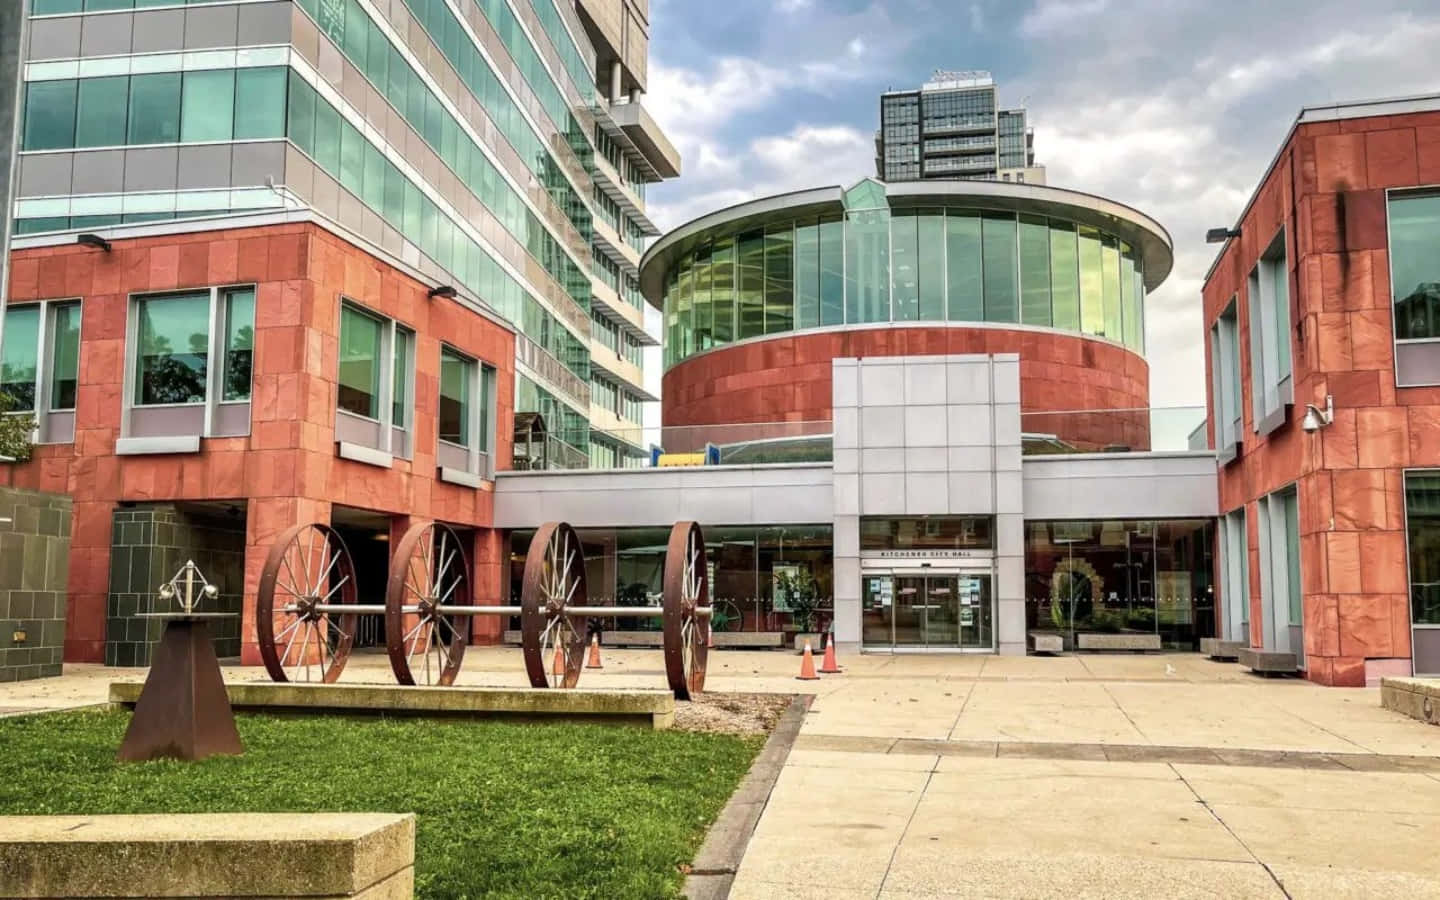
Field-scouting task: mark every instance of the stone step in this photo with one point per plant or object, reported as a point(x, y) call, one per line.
point(1218, 649)
point(1268, 662)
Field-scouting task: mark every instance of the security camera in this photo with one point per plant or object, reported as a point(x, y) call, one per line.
point(1316, 418)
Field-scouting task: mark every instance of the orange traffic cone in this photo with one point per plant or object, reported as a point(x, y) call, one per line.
point(558, 667)
point(807, 666)
point(829, 666)
point(594, 661)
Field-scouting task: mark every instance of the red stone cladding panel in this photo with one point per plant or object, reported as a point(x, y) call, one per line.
point(286, 470)
point(787, 379)
point(1328, 191)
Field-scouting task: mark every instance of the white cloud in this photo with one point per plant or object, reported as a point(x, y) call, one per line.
point(1054, 16)
point(977, 18)
point(792, 6)
point(856, 47)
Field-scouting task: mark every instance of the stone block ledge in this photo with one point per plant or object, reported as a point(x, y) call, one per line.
point(1418, 698)
point(369, 855)
point(654, 708)
point(1122, 641)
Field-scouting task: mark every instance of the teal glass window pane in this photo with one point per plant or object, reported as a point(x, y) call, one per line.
point(239, 313)
point(429, 237)
point(487, 412)
point(302, 114)
point(1140, 308)
point(412, 216)
point(722, 291)
point(1064, 276)
point(359, 390)
point(701, 316)
point(65, 356)
point(456, 373)
point(102, 105)
point(1414, 265)
point(377, 55)
point(931, 264)
point(1422, 518)
point(174, 349)
point(108, 5)
point(259, 103)
point(904, 265)
point(1279, 271)
point(963, 268)
point(400, 379)
point(1092, 291)
point(394, 201)
point(1110, 285)
point(684, 305)
point(54, 7)
point(807, 275)
point(207, 111)
point(1129, 314)
point(327, 137)
point(779, 279)
point(1034, 271)
point(832, 272)
point(155, 108)
point(352, 158)
point(44, 223)
point(1002, 291)
point(374, 177)
point(49, 115)
point(356, 35)
point(1292, 555)
point(750, 313)
point(867, 263)
point(19, 356)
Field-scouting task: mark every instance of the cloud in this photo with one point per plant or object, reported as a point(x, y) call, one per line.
point(1054, 16)
point(793, 6)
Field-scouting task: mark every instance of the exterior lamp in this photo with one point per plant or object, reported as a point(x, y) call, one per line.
point(1221, 235)
point(93, 240)
point(443, 290)
point(1316, 418)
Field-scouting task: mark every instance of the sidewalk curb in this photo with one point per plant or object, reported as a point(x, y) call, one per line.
point(719, 856)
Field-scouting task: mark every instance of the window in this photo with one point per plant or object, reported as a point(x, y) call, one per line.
point(207, 107)
point(1034, 271)
point(155, 108)
point(400, 379)
point(239, 342)
point(1422, 522)
point(174, 346)
point(102, 108)
point(21, 356)
point(49, 115)
point(359, 363)
point(1268, 297)
point(1235, 589)
point(260, 103)
point(1225, 383)
point(1415, 286)
point(1280, 573)
point(1002, 294)
point(65, 355)
point(456, 375)
point(962, 257)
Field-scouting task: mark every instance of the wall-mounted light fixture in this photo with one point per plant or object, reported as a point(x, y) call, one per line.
point(1316, 418)
point(443, 290)
point(1221, 235)
point(93, 240)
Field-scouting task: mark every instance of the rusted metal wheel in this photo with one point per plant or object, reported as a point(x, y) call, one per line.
point(553, 641)
point(301, 636)
point(687, 589)
point(429, 577)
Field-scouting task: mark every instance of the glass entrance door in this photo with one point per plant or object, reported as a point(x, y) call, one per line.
point(930, 610)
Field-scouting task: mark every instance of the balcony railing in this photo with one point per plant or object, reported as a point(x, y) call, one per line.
point(745, 443)
point(1113, 430)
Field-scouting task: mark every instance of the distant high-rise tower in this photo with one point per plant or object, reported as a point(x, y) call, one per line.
point(953, 128)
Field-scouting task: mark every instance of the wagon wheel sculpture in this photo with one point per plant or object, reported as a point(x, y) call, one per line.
point(308, 574)
point(551, 635)
point(428, 605)
point(685, 619)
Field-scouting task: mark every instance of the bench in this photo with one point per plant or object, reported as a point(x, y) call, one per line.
point(1045, 642)
point(1418, 698)
point(369, 855)
point(652, 708)
point(1103, 641)
point(1218, 649)
point(1269, 662)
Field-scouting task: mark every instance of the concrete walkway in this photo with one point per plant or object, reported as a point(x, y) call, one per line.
point(1104, 776)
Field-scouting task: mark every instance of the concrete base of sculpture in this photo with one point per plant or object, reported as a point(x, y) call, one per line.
point(1418, 698)
point(369, 855)
point(649, 707)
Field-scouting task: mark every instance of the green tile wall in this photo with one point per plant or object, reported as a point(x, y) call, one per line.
point(148, 545)
point(34, 569)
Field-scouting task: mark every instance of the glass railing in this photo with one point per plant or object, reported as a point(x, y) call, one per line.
point(1113, 430)
point(737, 444)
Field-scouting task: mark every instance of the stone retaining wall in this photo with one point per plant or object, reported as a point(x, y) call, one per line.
point(34, 567)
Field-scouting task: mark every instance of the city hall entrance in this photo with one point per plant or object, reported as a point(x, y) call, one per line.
point(927, 584)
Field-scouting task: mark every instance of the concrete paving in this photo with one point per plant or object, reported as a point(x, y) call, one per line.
point(1085, 776)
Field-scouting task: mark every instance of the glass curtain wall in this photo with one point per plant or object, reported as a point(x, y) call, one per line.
point(920, 264)
point(1121, 576)
point(771, 578)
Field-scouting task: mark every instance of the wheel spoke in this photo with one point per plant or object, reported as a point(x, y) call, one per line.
point(337, 587)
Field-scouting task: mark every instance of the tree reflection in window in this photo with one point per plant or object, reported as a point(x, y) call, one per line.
point(174, 349)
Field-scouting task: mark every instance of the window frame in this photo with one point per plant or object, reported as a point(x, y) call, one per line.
point(1225, 382)
point(1278, 596)
point(483, 380)
point(216, 358)
point(49, 421)
point(1409, 584)
point(1270, 324)
point(382, 450)
point(1234, 527)
point(1392, 194)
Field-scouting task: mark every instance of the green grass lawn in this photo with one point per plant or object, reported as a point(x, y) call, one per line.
point(521, 810)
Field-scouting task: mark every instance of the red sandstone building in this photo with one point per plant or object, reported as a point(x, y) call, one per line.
point(199, 390)
point(1327, 295)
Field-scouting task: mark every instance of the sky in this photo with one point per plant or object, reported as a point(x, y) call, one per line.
point(1174, 107)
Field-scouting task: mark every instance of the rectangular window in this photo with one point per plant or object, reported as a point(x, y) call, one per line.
point(931, 265)
point(964, 269)
point(49, 115)
point(327, 139)
point(207, 108)
point(456, 375)
point(807, 275)
point(1129, 298)
point(20, 355)
point(1110, 285)
point(1002, 290)
point(832, 272)
point(1422, 522)
point(103, 103)
point(154, 108)
point(359, 391)
point(1034, 271)
point(400, 379)
point(701, 316)
point(352, 166)
point(64, 355)
point(1414, 228)
point(1268, 298)
point(1235, 591)
point(1280, 576)
point(260, 103)
point(904, 265)
point(779, 285)
point(172, 364)
point(1064, 276)
point(751, 273)
point(1092, 290)
point(867, 266)
point(239, 311)
point(1225, 383)
point(722, 291)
